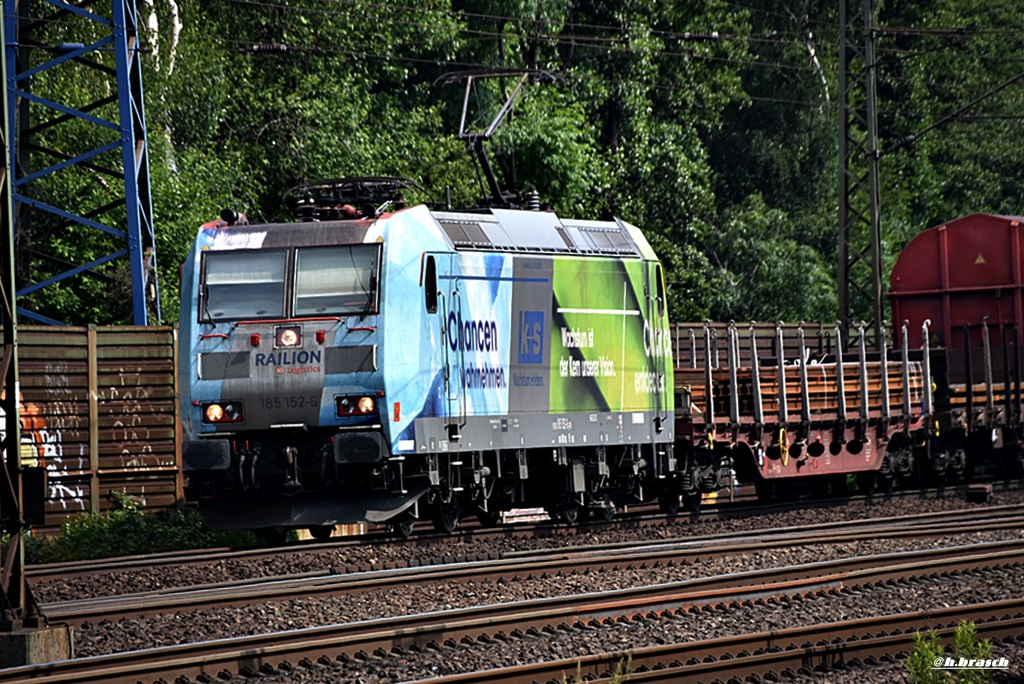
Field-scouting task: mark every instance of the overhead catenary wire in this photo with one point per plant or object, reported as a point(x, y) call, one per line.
point(908, 140)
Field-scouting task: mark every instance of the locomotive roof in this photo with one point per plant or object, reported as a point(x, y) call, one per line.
point(505, 230)
point(535, 231)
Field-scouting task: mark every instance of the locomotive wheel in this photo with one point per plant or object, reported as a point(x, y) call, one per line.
point(604, 511)
point(403, 527)
point(568, 513)
point(446, 516)
point(321, 532)
point(692, 501)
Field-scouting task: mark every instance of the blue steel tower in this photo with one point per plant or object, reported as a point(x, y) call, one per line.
point(99, 145)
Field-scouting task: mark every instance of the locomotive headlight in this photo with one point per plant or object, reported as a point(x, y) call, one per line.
point(214, 413)
point(290, 336)
point(222, 413)
point(232, 412)
point(355, 406)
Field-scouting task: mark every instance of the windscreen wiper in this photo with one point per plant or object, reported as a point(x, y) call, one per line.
point(373, 288)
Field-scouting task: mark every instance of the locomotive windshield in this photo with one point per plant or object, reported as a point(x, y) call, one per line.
point(336, 280)
point(245, 284)
point(253, 284)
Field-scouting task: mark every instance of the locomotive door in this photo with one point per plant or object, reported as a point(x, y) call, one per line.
point(454, 402)
point(657, 341)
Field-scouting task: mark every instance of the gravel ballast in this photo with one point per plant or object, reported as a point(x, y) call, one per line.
point(146, 632)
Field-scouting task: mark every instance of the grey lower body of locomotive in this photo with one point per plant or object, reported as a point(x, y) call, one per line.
point(372, 485)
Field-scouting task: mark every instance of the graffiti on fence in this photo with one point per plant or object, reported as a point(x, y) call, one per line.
point(42, 446)
point(97, 411)
point(131, 437)
point(27, 452)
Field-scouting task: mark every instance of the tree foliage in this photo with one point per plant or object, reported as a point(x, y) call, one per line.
point(710, 124)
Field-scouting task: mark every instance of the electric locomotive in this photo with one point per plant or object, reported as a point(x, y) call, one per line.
point(377, 362)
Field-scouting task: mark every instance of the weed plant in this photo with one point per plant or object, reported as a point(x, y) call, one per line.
point(129, 530)
point(928, 651)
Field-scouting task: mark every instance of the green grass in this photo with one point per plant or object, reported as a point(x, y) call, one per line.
point(620, 675)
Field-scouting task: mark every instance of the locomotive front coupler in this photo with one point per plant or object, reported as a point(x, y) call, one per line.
point(248, 458)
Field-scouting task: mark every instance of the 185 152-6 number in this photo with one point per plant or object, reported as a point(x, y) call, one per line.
point(290, 401)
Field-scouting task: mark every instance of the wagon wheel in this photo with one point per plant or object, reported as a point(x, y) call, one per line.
point(888, 484)
point(491, 518)
point(885, 478)
point(692, 501)
point(446, 515)
point(867, 483)
point(570, 514)
point(567, 512)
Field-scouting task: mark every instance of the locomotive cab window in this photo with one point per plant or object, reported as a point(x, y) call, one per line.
point(243, 284)
point(430, 285)
point(336, 280)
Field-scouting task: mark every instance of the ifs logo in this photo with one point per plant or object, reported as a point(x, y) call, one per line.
point(531, 337)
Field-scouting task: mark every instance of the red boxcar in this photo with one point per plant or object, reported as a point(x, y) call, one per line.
point(966, 273)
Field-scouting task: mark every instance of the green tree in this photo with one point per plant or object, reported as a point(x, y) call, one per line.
point(710, 126)
point(935, 58)
point(770, 274)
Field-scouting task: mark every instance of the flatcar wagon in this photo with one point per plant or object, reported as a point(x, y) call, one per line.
point(940, 404)
point(778, 404)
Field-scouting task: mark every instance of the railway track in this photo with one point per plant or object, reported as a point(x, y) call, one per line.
point(512, 566)
point(767, 656)
point(480, 626)
point(639, 518)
